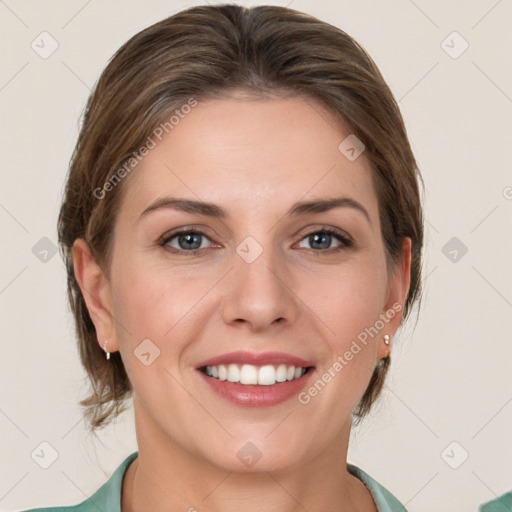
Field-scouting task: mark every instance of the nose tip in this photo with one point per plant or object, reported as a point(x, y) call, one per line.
point(258, 296)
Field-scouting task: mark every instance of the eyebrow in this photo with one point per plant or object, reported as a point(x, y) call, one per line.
point(215, 211)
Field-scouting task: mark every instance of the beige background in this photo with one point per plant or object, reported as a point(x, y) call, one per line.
point(451, 374)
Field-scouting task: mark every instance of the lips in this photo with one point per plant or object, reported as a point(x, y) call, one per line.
point(256, 359)
point(256, 379)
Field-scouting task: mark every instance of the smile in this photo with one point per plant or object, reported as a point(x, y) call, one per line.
point(248, 374)
point(253, 379)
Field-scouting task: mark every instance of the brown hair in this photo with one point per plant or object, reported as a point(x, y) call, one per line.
point(203, 52)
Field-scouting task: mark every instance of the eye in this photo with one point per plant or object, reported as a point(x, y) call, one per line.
point(321, 240)
point(186, 240)
point(191, 241)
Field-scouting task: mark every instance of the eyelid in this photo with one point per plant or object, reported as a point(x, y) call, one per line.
point(184, 229)
point(309, 230)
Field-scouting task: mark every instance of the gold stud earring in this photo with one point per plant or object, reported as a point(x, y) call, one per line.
point(105, 349)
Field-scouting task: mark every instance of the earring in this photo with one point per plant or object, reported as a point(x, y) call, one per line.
point(105, 349)
point(386, 342)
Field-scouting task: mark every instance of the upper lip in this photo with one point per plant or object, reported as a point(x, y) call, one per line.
point(256, 359)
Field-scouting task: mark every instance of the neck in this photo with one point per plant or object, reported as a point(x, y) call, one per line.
point(165, 476)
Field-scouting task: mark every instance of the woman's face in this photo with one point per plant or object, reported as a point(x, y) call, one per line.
point(258, 285)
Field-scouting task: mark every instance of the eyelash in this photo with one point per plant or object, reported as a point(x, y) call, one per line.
point(345, 241)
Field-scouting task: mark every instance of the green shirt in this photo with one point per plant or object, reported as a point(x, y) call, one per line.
point(108, 497)
point(501, 504)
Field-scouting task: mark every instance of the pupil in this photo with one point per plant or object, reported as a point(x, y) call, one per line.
point(316, 238)
point(189, 242)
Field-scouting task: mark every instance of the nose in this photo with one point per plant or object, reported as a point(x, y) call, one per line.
point(259, 294)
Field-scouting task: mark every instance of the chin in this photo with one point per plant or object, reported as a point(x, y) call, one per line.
point(257, 455)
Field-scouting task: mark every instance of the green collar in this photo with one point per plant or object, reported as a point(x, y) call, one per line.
point(501, 504)
point(108, 496)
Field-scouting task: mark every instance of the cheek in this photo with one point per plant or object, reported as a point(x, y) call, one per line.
point(159, 303)
point(349, 302)
point(349, 299)
point(350, 308)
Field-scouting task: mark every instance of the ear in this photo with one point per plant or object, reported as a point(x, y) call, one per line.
point(398, 288)
point(96, 292)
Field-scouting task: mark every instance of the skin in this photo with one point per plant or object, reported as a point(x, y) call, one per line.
point(255, 159)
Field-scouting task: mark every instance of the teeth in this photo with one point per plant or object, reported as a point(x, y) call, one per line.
point(233, 373)
point(249, 374)
point(267, 375)
point(281, 373)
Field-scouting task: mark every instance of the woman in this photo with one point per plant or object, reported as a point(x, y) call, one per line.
point(242, 229)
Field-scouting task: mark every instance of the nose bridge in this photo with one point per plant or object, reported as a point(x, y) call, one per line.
point(258, 293)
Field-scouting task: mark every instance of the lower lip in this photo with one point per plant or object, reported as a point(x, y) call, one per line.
point(257, 396)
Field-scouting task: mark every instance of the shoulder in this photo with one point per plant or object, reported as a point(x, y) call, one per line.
point(501, 504)
point(107, 497)
point(384, 500)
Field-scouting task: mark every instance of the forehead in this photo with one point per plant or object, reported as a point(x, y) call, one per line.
point(251, 154)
